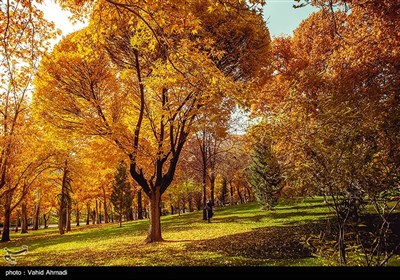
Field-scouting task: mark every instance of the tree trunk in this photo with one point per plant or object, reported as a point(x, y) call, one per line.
point(6, 225)
point(88, 213)
point(36, 216)
point(139, 205)
point(97, 213)
point(93, 215)
point(24, 218)
point(212, 187)
point(204, 199)
point(120, 213)
point(62, 217)
point(45, 220)
point(239, 194)
point(69, 213)
point(231, 194)
point(105, 207)
point(154, 234)
point(342, 248)
point(77, 215)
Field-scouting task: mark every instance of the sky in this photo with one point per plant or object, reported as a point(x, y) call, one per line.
point(280, 16)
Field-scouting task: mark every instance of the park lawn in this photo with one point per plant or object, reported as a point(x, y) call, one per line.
point(237, 235)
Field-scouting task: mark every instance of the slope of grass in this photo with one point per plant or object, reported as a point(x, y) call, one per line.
point(238, 235)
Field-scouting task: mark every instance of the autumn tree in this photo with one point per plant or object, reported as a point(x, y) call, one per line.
point(24, 36)
point(152, 68)
point(328, 105)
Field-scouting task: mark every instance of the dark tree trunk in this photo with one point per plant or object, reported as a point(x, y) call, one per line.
point(97, 213)
point(130, 214)
point(36, 216)
point(140, 205)
point(239, 194)
point(204, 199)
point(45, 219)
point(62, 214)
point(212, 187)
point(172, 209)
point(231, 194)
point(77, 215)
point(5, 236)
point(154, 234)
point(120, 213)
point(69, 213)
point(93, 215)
point(105, 207)
point(24, 218)
point(87, 214)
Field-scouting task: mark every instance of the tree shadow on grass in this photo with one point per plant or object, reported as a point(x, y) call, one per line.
point(298, 207)
point(283, 242)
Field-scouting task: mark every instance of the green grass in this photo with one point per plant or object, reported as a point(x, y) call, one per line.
point(238, 235)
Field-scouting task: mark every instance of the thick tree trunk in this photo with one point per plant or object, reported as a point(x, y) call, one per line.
point(154, 234)
point(140, 205)
point(88, 214)
point(5, 236)
point(24, 218)
point(36, 216)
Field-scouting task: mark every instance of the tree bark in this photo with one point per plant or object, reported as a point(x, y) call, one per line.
point(88, 213)
point(231, 194)
point(154, 234)
point(5, 236)
point(239, 194)
point(45, 220)
point(24, 218)
point(69, 213)
point(97, 213)
point(36, 216)
point(140, 205)
point(105, 207)
point(212, 187)
point(77, 215)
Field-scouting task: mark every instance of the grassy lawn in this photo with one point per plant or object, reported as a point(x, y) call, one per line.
point(238, 235)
